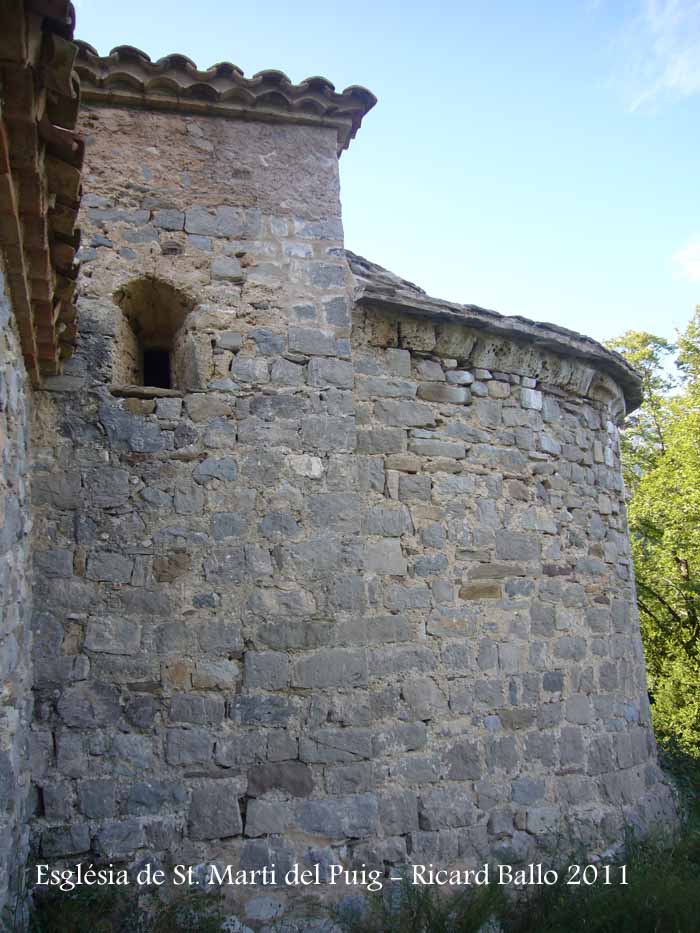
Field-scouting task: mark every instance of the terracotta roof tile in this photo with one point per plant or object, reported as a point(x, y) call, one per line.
point(40, 175)
point(128, 77)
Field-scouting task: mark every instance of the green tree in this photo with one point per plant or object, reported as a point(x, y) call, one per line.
point(643, 440)
point(661, 457)
point(688, 361)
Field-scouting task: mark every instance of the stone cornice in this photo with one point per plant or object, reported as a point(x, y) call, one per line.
point(127, 77)
point(379, 287)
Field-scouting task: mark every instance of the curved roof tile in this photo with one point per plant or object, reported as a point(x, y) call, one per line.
point(128, 77)
point(41, 158)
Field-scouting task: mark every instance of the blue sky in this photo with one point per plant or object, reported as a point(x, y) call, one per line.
point(536, 158)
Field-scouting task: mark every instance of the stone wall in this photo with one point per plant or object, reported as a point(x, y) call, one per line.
point(527, 670)
point(347, 592)
point(15, 607)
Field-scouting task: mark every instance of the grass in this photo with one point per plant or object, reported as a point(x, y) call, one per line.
point(106, 911)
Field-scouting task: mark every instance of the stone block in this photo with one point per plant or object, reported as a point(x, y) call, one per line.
point(340, 817)
point(200, 221)
point(281, 746)
point(285, 372)
point(268, 670)
point(601, 756)
point(430, 564)
point(384, 556)
point(214, 811)
point(404, 413)
point(202, 243)
point(463, 761)
point(543, 820)
point(226, 269)
point(381, 441)
point(341, 511)
point(329, 228)
point(226, 565)
point(399, 598)
point(113, 636)
point(169, 219)
point(239, 750)
point(200, 709)
point(97, 799)
point(429, 447)
point(330, 372)
point(444, 394)
point(381, 387)
point(578, 709)
point(290, 777)
point(337, 312)
point(348, 593)
point(259, 710)
point(109, 567)
point(326, 274)
point(61, 490)
point(169, 409)
point(188, 746)
point(216, 674)
point(120, 838)
point(571, 749)
point(228, 525)
point(314, 342)
point(58, 842)
point(415, 488)
point(527, 791)
point(483, 589)
point(502, 753)
point(130, 432)
point(459, 377)
point(402, 659)
point(417, 335)
point(445, 807)
point(266, 817)
point(56, 797)
point(89, 706)
point(350, 779)
point(322, 433)
point(329, 746)
point(510, 546)
point(335, 667)
point(398, 812)
point(531, 399)
point(454, 341)
point(58, 562)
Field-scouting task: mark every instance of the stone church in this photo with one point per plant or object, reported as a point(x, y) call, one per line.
point(298, 564)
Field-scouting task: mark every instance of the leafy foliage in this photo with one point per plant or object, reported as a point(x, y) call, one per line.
point(661, 459)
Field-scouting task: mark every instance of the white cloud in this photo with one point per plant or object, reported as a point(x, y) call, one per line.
point(687, 260)
point(658, 51)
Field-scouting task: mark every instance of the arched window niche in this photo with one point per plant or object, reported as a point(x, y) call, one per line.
point(151, 342)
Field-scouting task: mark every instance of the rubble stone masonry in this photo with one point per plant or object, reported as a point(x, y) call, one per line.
point(15, 602)
point(356, 589)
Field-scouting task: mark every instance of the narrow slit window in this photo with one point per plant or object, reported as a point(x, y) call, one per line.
point(156, 368)
point(150, 351)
